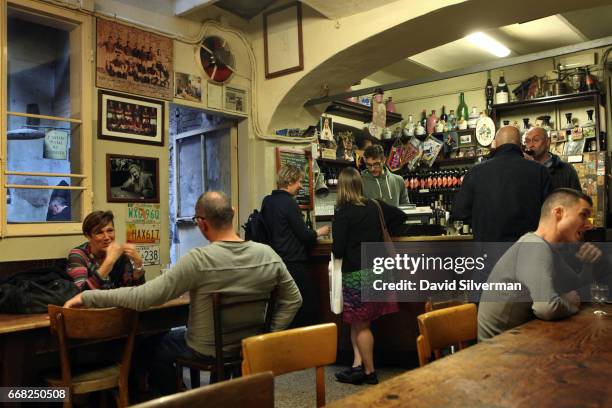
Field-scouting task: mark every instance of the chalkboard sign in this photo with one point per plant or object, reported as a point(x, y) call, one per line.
point(302, 160)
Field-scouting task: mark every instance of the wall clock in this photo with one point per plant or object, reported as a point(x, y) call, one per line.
point(216, 59)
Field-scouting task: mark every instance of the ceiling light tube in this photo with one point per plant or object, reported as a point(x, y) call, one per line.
point(488, 44)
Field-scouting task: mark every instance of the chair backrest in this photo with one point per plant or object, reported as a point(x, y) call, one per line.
point(224, 302)
point(92, 323)
point(447, 300)
point(292, 350)
point(67, 323)
point(454, 325)
point(252, 391)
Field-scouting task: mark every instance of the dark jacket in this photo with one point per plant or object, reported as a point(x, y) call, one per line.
point(289, 235)
point(501, 198)
point(353, 225)
point(562, 174)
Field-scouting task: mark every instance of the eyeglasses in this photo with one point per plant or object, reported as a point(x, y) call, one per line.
point(376, 165)
point(195, 218)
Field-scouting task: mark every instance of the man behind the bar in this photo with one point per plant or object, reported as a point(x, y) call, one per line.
point(379, 182)
point(501, 197)
point(562, 174)
point(535, 263)
point(228, 265)
point(292, 239)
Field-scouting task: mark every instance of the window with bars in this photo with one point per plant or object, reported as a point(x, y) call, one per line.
point(46, 119)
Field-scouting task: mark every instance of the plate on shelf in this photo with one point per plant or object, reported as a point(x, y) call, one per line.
point(485, 131)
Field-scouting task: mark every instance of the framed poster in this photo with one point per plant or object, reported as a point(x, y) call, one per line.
point(126, 118)
point(214, 95)
point(132, 60)
point(234, 99)
point(188, 87)
point(132, 179)
point(283, 47)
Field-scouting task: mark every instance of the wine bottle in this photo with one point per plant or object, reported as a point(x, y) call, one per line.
point(489, 93)
point(443, 115)
point(502, 95)
point(424, 118)
point(462, 109)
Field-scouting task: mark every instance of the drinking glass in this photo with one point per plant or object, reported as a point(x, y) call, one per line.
point(599, 294)
point(458, 225)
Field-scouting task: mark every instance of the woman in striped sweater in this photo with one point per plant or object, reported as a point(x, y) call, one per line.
point(102, 263)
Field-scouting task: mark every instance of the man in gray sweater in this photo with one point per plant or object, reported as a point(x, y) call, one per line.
point(379, 182)
point(229, 265)
point(547, 281)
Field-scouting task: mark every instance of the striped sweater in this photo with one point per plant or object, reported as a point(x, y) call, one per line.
point(83, 269)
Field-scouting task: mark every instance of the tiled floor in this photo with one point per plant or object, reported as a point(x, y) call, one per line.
point(297, 390)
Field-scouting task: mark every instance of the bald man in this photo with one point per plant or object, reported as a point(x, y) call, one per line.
point(562, 174)
point(501, 197)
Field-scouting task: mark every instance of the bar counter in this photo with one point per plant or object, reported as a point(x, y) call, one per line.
point(394, 335)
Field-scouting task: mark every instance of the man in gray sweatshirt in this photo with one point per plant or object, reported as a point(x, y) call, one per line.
point(535, 262)
point(379, 182)
point(229, 265)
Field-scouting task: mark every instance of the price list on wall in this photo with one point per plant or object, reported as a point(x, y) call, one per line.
point(143, 230)
point(300, 159)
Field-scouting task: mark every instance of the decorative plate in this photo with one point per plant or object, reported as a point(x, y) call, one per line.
point(485, 131)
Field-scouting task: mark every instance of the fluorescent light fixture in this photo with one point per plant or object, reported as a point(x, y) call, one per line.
point(488, 44)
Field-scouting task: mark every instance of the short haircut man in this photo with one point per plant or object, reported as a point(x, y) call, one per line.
point(501, 197)
point(379, 182)
point(537, 264)
point(228, 265)
point(562, 174)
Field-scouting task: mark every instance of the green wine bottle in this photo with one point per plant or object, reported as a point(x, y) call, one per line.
point(462, 109)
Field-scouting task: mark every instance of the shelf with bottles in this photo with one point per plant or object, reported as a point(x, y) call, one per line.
point(577, 125)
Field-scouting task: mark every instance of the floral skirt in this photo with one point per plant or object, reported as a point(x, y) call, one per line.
point(354, 309)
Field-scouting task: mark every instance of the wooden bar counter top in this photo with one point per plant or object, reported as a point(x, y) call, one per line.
point(565, 363)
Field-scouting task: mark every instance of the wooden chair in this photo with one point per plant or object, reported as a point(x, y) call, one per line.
point(292, 350)
point(454, 325)
point(89, 324)
point(253, 391)
point(220, 367)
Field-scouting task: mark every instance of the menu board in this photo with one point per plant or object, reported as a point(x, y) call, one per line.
point(302, 160)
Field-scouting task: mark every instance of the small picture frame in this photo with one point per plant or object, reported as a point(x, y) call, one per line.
point(127, 118)
point(132, 179)
point(234, 99)
point(188, 87)
point(554, 136)
point(326, 128)
point(466, 140)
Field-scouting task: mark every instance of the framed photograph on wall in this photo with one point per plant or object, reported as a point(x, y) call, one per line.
point(234, 99)
point(188, 87)
point(132, 60)
point(127, 118)
point(132, 179)
point(283, 49)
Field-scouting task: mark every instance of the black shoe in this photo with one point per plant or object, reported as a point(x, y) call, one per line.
point(357, 377)
point(371, 378)
point(347, 372)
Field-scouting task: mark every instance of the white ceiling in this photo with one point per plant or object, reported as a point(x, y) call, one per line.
point(528, 37)
point(538, 35)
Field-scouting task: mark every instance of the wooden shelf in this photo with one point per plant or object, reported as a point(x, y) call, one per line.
point(324, 217)
point(358, 111)
point(547, 100)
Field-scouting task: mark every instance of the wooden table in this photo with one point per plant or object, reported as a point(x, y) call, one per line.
point(24, 336)
point(567, 363)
